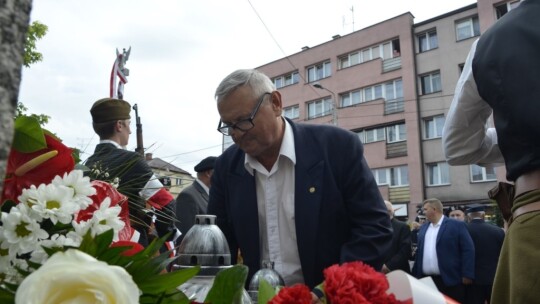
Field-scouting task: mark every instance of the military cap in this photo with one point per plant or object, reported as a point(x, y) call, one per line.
point(206, 164)
point(476, 208)
point(110, 109)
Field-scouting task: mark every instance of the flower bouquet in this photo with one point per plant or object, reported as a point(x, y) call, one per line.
point(66, 239)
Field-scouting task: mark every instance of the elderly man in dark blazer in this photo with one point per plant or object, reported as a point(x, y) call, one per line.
point(445, 252)
point(300, 195)
point(193, 200)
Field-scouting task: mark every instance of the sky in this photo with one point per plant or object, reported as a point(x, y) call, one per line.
point(180, 51)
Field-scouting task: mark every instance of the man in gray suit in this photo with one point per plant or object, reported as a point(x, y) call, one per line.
point(194, 199)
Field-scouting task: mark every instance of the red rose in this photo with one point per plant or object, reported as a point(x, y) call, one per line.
point(104, 190)
point(356, 282)
point(26, 169)
point(296, 294)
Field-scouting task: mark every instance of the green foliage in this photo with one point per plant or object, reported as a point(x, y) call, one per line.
point(266, 292)
point(228, 285)
point(36, 31)
point(29, 136)
point(21, 111)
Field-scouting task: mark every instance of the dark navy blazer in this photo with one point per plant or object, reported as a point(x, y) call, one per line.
point(339, 213)
point(455, 252)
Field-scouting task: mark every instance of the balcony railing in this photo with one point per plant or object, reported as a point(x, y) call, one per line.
point(394, 106)
point(391, 64)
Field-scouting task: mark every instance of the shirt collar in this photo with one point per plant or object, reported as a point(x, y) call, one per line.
point(112, 142)
point(203, 186)
point(439, 223)
point(286, 150)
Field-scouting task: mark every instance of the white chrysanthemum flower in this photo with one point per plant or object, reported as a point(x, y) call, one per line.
point(80, 228)
point(5, 255)
point(105, 218)
point(80, 184)
point(21, 231)
point(56, 241)
point(56, 203)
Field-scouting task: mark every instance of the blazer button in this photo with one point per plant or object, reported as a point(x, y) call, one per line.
point(312, 190)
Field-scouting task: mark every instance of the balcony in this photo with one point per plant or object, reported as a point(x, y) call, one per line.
point(391, 64)
point(394, 106)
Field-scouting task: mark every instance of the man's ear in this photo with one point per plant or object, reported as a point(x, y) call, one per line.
point(118, 125)
point(277, 106)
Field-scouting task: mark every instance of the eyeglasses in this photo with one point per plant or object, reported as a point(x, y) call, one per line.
point(243, 125)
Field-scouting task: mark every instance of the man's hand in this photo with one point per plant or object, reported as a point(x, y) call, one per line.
point(315, 299)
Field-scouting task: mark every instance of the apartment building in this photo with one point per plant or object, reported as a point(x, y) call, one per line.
point(392, 84)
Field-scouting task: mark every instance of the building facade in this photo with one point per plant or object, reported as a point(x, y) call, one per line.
point(173, 178)
point(392, 83)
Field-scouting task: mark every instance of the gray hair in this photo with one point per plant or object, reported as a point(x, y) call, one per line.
point(435, 203)
point(257, 81)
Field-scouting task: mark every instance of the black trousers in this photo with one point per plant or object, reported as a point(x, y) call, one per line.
point(478, 294)
point(456, 292)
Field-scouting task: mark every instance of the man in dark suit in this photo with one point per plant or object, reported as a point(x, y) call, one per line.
point(194, 199)
point(299, 195)
point(111, 121)
point(400, 251)
point(488, 240)
point(445, 252)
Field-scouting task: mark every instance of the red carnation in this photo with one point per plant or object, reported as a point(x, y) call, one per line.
point(296, 294)
point(356, 282)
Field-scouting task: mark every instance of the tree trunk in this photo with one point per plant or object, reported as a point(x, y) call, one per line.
point(14, 20)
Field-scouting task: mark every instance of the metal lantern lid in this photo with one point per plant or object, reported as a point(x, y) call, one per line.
point(267, 273)
point(205, 245)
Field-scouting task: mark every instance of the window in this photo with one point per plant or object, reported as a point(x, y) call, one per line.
point(383, 50)
point(438, 174)
point(396, 133)
point(286, 80)
point(291, 112)
point(467, 28)
point(427, 41)
point(433, 127)
point(502, 9)
point(351, 98)
point(319, 71)
point(319, 108)
point(482, 174)
point(394, 177)
point(393, 90)
point(431, 83)
point(374, 135)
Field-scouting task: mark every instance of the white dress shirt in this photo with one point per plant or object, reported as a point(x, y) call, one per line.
point(430, 262)
point(275, 202)
point(466, 137)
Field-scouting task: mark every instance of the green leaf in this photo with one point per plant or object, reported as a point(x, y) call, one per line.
point(266, 291)
point(29, 136)
point(228, 285)
point(6, 297)
point(171, 280)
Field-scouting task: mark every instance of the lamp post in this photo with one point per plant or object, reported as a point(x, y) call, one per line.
point(334, 103)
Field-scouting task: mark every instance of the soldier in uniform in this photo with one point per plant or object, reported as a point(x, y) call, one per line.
point(111, 121)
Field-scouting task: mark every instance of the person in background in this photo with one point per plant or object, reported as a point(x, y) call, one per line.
point(456, 214)
point(400, 251)
point(488, 240)
point(502, 76)
point(193, 200)
point(445, 252)
point(299, 195)
point(111, 121)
